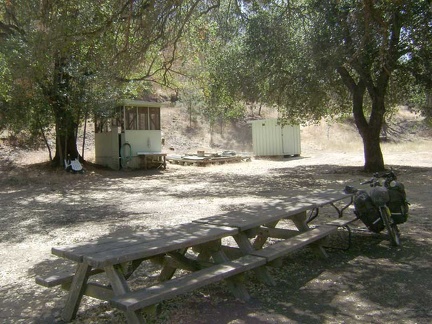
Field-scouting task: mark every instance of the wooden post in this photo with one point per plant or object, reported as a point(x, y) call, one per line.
point(236, 286)
point(77, 289)
point(301, 224)
point(120, 287)
point(246, 247)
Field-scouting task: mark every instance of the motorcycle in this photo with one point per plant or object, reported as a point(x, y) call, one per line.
point(385, 206)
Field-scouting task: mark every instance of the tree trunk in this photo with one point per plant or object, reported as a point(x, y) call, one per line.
point(374, 160)
point(66, 147)
point(428, 104)
point(369, 130)
point(66, 126)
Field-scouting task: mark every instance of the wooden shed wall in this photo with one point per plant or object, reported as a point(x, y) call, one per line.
point(270, 139)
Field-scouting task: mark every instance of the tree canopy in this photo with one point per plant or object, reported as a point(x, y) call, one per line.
point(63, 60)
point(327, 58)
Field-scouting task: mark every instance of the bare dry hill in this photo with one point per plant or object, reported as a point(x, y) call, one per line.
point(183, 134)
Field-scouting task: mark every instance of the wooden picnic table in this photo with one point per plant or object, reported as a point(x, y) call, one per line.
point(292, 207)
point(118, 257)
point(258, 223)
point(113, 255)
point(153, 159)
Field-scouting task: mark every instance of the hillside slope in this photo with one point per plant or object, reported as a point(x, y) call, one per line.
point(183, 136)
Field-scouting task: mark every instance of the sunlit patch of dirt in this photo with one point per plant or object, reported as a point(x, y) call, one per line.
point(43, 207)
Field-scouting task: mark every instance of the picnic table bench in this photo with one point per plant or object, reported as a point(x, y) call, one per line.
point(118, 257)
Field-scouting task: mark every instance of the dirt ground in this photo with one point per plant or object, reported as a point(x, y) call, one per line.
point(372, 282)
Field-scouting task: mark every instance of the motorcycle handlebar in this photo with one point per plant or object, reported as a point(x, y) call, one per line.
point(372, 180)
point(388, 176)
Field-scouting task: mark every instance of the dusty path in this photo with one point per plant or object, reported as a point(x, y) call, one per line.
point(372, 282)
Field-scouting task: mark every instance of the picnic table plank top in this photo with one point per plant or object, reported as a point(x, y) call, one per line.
point(254, 215)
point(152, 153)
point(114, 250)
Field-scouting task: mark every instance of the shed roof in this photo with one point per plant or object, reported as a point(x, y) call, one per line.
point(139, 103)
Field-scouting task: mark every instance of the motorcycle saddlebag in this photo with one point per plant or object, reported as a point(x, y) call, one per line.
point(398, 204)
point(367, 212)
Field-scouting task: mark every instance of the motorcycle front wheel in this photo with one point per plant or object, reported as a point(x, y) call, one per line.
point(391, 227)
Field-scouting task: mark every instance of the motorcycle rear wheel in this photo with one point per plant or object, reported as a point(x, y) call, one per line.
point(391, 227)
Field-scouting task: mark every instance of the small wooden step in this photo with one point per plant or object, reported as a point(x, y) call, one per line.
point(54, 280)
point(148, 296)
point(340, 222)
point(60, 278)
point(292, 244)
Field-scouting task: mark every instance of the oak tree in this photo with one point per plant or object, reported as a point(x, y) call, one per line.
point(68, 58)
point(315, 58)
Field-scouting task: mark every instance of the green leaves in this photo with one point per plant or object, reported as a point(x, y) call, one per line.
point(73, 55)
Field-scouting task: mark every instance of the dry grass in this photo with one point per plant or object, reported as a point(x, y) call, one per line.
point(421, 145)
point(334, 137)
point(42, 208)
point(407, 133)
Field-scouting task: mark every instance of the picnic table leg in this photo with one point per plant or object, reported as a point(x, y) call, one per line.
point(246, 247)
point(128, 268)
point(168, 271)
point(236, 286)
point(261, 238)
point(301, 224)
point(299, 221)
point(120, 287)
point(214, 249)
point(341, 210)
point(76, 292)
